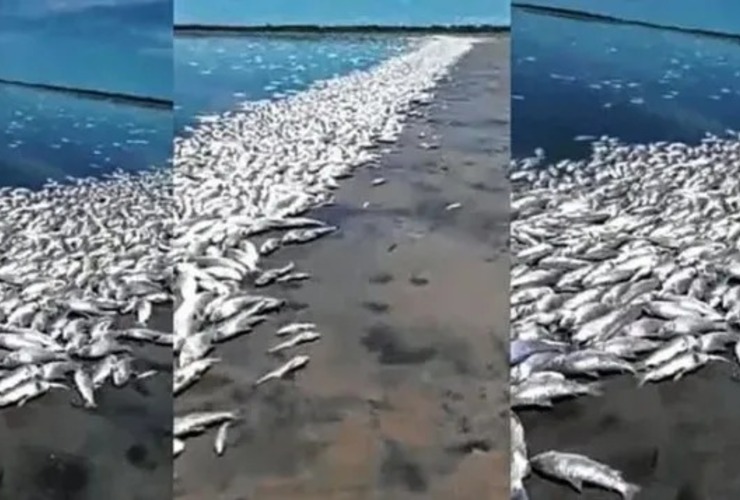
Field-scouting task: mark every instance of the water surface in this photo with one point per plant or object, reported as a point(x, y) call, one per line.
point(574, 79)
point(215, 74)
point(53, 135)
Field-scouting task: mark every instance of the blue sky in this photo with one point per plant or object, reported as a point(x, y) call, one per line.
point(389, 12)
point(716, 15)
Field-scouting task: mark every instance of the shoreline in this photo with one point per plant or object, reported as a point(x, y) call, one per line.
point(100, 95)
point(580, 15)
point(672, 438)
point(397, 400)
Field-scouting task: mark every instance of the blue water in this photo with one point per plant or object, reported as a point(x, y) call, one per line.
point(713, 15)
point(343, 12)
point(50, 135)
point(110, 45)
point(121, 46)
point(572, 78)
point(214, 74)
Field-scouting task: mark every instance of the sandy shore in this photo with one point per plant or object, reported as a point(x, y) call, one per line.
point(679, 441)
point(52, 449)
point(404, 397)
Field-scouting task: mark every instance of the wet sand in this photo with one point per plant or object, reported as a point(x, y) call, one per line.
point(53, 449)
point(405, 394)
point(679, 441)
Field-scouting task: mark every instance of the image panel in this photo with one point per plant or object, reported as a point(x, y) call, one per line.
point(625, 277)
point(341, 315)
point(85, 186)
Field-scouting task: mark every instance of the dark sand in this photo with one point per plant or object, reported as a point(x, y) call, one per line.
point(52, 449)
point(679, 441)
point(405, 395)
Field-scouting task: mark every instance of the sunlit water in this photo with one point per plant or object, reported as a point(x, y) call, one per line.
point(573, 80)
point(50, 135)
point(215, 74)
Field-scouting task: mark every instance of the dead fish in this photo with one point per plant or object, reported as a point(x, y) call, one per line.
point(219, 444)
point(300, 338)
point(295, 363)
point(577, 469)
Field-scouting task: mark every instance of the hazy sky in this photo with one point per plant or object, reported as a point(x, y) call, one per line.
point(390, 12)
point(716, 15)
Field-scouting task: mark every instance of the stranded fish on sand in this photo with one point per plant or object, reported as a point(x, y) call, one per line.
point(245, 183)
point(628, 262)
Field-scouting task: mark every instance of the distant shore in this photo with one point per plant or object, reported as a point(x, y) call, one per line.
point(135, 100)
point(589, 16)
point(205, 30)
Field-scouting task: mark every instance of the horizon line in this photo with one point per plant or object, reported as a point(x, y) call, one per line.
point(580, 15)
point(187, 29)
point(117, 97)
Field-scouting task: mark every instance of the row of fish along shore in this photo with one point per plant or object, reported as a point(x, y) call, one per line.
point(625, 305)
point(368, 371)
point(101, 279)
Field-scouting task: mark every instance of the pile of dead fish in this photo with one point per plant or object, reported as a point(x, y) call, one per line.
point(244, 182)
point(75, 260)
point(625, 262)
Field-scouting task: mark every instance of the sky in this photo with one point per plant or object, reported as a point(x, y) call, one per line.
point(713, 15)
point(122, 46)
point(342, 12)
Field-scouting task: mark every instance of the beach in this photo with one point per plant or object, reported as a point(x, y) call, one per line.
point(53, 449)
point(677, 440)
point(405, 394)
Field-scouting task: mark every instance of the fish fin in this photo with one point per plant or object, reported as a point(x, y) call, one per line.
point(22, 402)
point(630, 491)
point(577, 484)
point(641, 381)
point(678, 376)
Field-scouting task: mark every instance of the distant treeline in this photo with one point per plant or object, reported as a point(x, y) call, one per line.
point(149, 102)
point(588, 16)
point(199, 29)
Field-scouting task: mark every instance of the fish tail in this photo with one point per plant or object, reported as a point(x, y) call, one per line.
point(630, 491)
point(595, 389)
point(519, 494)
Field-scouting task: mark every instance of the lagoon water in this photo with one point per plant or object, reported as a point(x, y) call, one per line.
point(51, 135)
point(119, 47)
point(215, 74)
point(582, 78)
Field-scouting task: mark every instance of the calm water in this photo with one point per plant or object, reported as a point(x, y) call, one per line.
point(214, 74)
point(714, 15)
point(334, 12)
point(574, 78)
point(121, 46)
point(117, 47)
point(50, 135)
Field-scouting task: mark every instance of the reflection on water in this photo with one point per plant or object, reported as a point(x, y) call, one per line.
point(573, 80)
point(213, 74)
